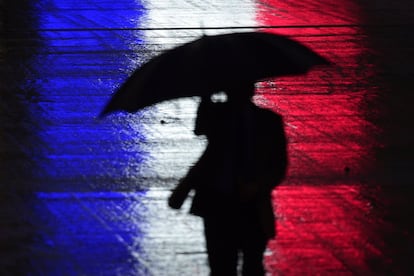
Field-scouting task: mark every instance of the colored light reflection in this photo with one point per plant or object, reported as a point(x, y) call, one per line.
point(321, 230)
point(325, 110)
point(321, 215)
point(90, 233)
point(86, 53)
point(86, 228)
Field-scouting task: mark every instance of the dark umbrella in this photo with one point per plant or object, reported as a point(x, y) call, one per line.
point(210, 64)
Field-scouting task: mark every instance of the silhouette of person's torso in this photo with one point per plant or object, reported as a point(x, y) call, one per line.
point(246, 146)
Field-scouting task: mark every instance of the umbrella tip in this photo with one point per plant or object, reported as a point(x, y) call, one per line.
point(105, 112)
point(202, 28)
point(102, 115)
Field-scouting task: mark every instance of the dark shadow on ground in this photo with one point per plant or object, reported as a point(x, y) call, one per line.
point(389, 26)
point(17, 140)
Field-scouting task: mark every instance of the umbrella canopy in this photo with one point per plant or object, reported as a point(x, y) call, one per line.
point(210, 64)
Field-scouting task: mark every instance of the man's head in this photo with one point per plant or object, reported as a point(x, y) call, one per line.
point(241, 91)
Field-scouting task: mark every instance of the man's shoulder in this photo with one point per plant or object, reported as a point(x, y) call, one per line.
point(269, 114)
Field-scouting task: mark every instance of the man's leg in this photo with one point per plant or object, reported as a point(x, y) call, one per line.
point(221, 242)
point(253, 245)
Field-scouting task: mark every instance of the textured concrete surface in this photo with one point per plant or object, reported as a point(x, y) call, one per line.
point(84, 196)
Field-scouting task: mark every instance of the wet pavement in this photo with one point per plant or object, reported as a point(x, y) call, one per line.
point(87, 196)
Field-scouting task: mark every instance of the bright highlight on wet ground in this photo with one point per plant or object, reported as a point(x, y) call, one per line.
point(87, 196)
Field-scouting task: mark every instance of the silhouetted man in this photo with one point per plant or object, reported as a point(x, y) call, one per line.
point(244, 160)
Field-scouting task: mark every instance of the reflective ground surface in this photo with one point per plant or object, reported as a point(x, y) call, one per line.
point(87, 196)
